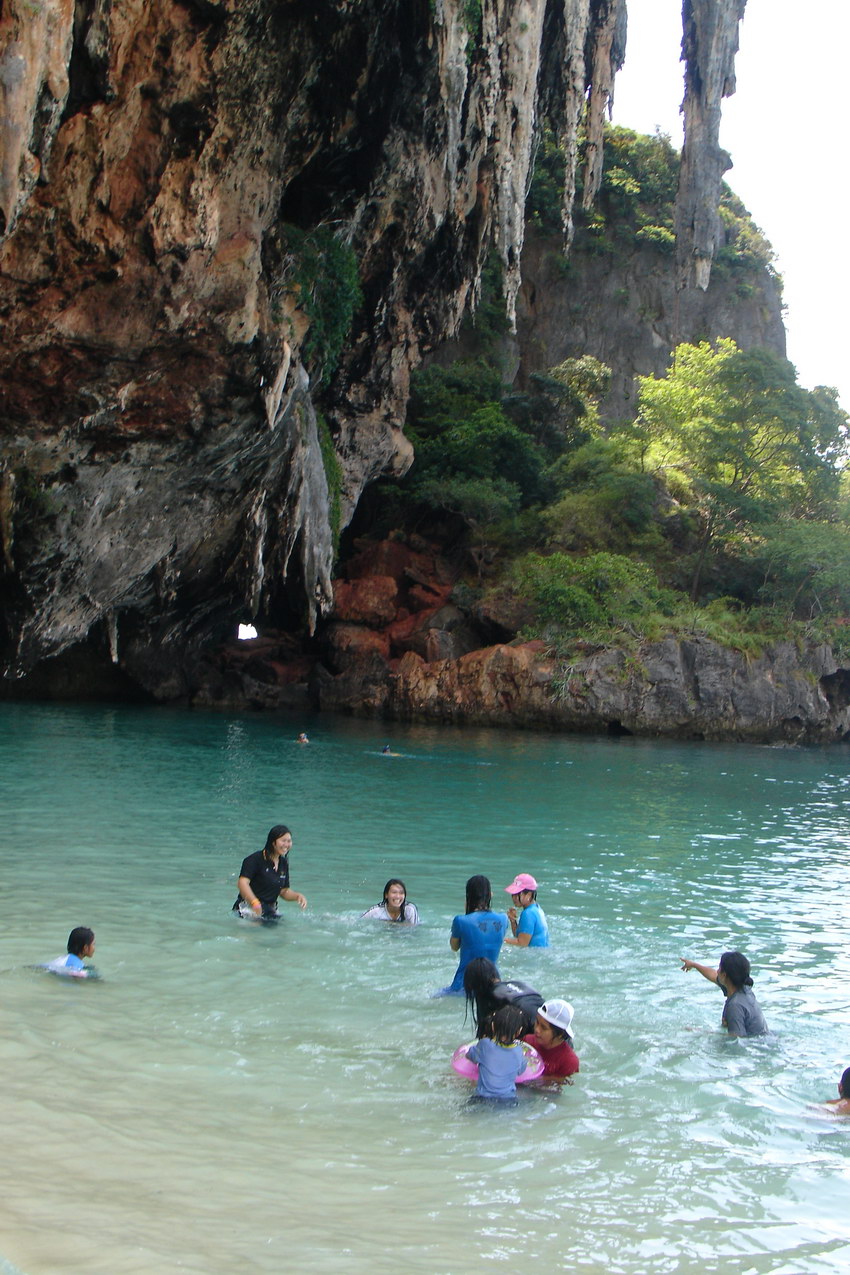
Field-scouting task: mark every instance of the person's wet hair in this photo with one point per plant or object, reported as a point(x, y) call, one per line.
point(78, 939)
point(395, 881)
point(844, 1083)
point(479, 895)
point(506, 1024)
point(478, 979)
point(279, 830)
point(736, 967)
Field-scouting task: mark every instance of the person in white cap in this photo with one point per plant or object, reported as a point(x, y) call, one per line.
point(529, 926)
point(552, 1040)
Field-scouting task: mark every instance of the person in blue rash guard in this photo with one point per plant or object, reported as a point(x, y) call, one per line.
point(80, 949)
point(529, 928)
point(476, 932)
point(499, 1056)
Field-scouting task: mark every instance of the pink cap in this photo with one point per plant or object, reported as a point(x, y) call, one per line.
point(524, 881)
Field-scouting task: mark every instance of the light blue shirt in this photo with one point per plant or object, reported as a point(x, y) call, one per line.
point(69, 964)
point(532, 920)
point(498, 1067)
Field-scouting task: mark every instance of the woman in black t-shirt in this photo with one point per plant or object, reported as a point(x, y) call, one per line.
point(486, 992)
point(264, 878)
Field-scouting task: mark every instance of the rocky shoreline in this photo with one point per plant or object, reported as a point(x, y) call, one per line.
point(399, 647)
point(405, 641)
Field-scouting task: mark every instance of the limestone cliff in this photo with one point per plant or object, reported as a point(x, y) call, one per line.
point(161, 371)
point(633, 315)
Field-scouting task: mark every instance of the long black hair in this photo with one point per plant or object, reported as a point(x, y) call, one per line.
point(506, 1025)
point(479, 895)
point(279, 830)
point(479, 978)
point(403, 908)
point(736, 967)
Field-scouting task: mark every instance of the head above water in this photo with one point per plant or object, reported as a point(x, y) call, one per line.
point(523, 882)
point(395, 896)
point(479, 976)
point(479, 894)
point(506, 1024)
point(79, 939)
point(736, 967)
point(279, 830)
point(559, 1013)
point(844, 1083)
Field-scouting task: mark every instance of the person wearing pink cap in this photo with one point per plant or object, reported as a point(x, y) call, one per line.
point(529, 928)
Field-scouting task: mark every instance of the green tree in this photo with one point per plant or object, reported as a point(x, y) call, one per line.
point(482, 503)
point(321, 272)
point(750, 442)
point(806, 567)
point(601, 589)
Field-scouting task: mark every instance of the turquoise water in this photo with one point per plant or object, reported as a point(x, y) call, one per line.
point(238, 1097)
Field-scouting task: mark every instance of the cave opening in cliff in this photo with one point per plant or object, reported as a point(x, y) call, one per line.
point(836, 688)
point(617, 730)
point(245, 632)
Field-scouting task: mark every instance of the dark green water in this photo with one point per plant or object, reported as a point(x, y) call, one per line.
point(233, 1097)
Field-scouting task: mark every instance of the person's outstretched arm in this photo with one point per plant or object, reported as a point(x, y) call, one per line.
point(293, 896)
point(705, 970)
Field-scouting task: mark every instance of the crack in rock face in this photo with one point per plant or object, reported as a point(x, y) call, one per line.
point(186, 403)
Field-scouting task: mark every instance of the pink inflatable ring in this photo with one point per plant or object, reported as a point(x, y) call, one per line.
point(469, 1070)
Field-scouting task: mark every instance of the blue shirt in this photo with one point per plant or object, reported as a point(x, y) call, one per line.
point(480, 934)
point(498, 1067)
point(532, 920)
point(69, 964)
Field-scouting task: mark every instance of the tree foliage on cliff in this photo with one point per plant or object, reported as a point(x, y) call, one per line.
point(636, 202)
point(321, 272)
point(718, 510)
point(746, 445)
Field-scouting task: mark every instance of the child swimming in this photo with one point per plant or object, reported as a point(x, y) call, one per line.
point(839, 1106)
point(80, 949)
point(499, 1055)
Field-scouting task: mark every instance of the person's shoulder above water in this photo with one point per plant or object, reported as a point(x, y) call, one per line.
point(81, 944)
point(393, 906)
point(839, 1106)
point(742, 1015)
point(528, 926)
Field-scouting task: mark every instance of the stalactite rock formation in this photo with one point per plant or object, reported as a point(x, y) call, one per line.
point(709, 45)
point(167, 395)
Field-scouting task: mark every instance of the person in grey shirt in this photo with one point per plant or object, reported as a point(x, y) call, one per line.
point(742, 1014)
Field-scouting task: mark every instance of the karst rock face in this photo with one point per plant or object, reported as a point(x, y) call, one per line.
point(162, 403)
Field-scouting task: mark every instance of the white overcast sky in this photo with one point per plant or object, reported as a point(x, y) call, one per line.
point(784, 129)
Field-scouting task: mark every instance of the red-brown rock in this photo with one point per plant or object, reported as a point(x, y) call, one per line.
point(370, 600)
point(348, 645)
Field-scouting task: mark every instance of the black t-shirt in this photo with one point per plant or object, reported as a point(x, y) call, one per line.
point(523, 995)
point(265, 880)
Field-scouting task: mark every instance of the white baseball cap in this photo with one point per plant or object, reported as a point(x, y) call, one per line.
point(558, 1013)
